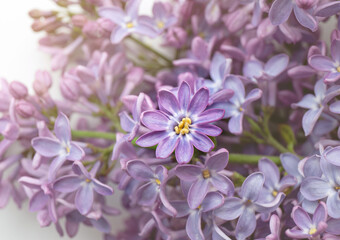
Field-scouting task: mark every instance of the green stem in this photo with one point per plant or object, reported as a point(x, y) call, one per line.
point(139, 42)
point(92, 134)
point(250, 159)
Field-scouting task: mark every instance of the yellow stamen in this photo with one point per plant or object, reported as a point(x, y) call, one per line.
point(160, 24)
point(337, 188)
point(241, 109)
point(274, 193)
point(199, 207)
point(201, 34)
point(312, 230)
point(183, 126)
point(206, 173)
point(88, 180)
point(68, 150)
point(129, 25)
point(338, 69)
point(158, 181)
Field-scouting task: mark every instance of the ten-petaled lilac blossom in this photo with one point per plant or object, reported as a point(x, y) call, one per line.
point(60, 148)
point(207, 176)
point(127, 22)
point(84, 184)
point(331, 67)
point(246, 206)
point(307, 227)
point(181, 123)
point(236, 107)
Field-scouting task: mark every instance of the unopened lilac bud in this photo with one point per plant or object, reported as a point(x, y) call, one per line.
point(96, 2)
point(106, 24)
point(335, 35)
point(306, 4)
point(176, 37)
point(18, 90)
point(35, 13)
point(42, 82)
point(69, 89)
point(79, 20)
point(92, 29)
point(11, 131)
point(25, 109)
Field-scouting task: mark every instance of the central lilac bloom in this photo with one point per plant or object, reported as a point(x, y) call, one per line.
point(181, 123)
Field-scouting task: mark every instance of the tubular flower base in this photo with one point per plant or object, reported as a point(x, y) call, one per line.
point(213, 119)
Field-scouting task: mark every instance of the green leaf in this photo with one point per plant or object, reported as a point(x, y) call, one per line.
point(287, 135)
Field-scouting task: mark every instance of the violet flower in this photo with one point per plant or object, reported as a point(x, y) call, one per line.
point(306, 227)
point(303, 10)
point(127, 22)
point(246, 206)
point(181, 123)
point(331, 67)
point(207, 176)
point(236, 107)
point(84, 184)
point(60, 148)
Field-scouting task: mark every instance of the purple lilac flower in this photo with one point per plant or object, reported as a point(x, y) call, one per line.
point(246, 206)
point(306, 227)
point(303, 10)
point(255, 69)
point(272, 183)
point(237, 106)
point(181, 123)
point(332, 155)
point(84, 184)
point(127, 22)
point(331, 67)
point(60, 148)
point(211, 201)
point(274, 226)
point(326, 187)
point(207, 176)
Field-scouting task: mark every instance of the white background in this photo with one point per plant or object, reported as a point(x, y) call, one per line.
point(19, 60)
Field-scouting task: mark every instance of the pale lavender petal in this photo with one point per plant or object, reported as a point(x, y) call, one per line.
point(223, 184)
point(335, 107)
point(235, 124)
point(126, 122)
point(208, 129)
point(55, 165)
point(269, 207)
point(297, 233)
point(320, 214)
point(67, 184)
point(38, 201)
point(290, 163)
point(199, 101)
point(84, 199)
point(219, 67)
point(199, 48)
point(253, 69)
point(286, 182)
point(321, 63)
point(276, 65)
point(218, 161)
point(335, 50)
point(168, 102)
point(147, 194)
point(188, 172)
point(197, 192)
point(333, 205)
point(181, 207)
point(132, 8)
point(76, 153)
point(151, 139)
point(271, 173)
point(309, 119)
point(301, 218)
point(101, 225)
point(167, 146)
point(314, 188)
point(115, 14)
point(333, 226)
point(155, 120)
point(308, 101)
point(210, 115)
point(184, 151)
point(328, 9)
point(184, 93)
point(212, 201)
point(139, 170)
point(305, 18)
point(193, 226)
point(118, 34)
point(101, 188)
point(46, 147)
point(280, 11)
point(231, 209)
point(246, 224)
point(252, 186)
point(62, 128)
point(202, 142)
point(235, 84)
point(333, 156)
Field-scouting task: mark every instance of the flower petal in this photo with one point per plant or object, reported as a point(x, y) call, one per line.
point(193, 226)
point(199, 101)
point(202, 142)
point(271, 173)
point(102, 188)
point(46, 147)
point(246, 224)
point(276, 65)
point(184, 94)
point(280, 11)
point(55, 165)
point(218, 161)
point(301, 218)
point(147, 194)
point(197, 192)
point(38, 201)
point(212, 201)
point(208, 129)
point(320, 214)
point(333, 205)
point(76, 153)
point(231, 209)
point(167, 146)
point(235, 124)
point(223, 184)
point(84, 199)
point(62, 128)
point(155, 120)
point(151, 139)
point(184, 151)
point(252, 186)
point(305, 18)
point(210, 115)
point(67, 184)
point(168, 102)
point(309, 120)
point(314, 188)
point(321, 63)
point(139, 170)
point(188, 172)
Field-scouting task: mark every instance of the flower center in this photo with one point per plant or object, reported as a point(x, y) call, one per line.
point(183, 126)
point(88, 180)
point(274, 193)
point(337, 188)
point(129, 25)
point(68, 150)
point(158, 181)
point(241, 109)
point(312, 231)
point(206, 173)
point(160, 24)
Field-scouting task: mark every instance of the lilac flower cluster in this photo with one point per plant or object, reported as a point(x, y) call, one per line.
point(195, 114)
